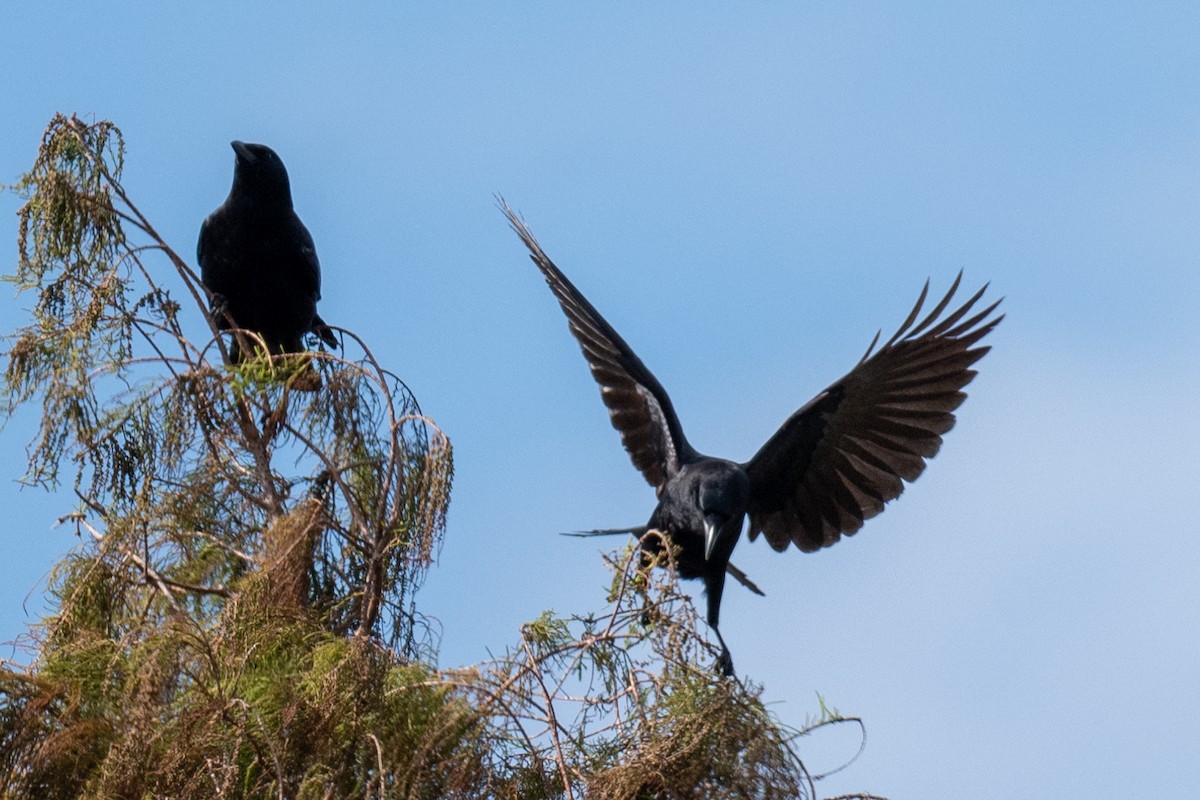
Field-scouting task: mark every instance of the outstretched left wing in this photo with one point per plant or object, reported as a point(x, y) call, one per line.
point(638, 406)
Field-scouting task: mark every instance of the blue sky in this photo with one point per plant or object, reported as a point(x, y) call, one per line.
point(1024, 620)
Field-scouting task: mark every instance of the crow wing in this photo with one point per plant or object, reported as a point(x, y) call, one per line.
point(308, 266)
point(638, 405)
point(836, 461)
point(213, 252)
point(309, 274)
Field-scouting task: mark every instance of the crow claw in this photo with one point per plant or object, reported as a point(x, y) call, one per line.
point(725, 664)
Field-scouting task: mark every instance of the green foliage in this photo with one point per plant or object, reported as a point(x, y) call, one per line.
point(231, 628)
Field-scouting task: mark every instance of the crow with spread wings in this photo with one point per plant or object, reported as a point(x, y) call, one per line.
point(831, 466)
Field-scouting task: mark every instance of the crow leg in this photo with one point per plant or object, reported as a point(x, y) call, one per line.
point(714, 585)
point(219, 308)
point(725, 660)
point(219, 312)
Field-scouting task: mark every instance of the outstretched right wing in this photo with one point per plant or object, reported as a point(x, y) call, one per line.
point(847, 452)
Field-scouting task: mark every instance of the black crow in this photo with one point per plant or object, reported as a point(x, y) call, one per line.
point(258, 260)
point(831, 466)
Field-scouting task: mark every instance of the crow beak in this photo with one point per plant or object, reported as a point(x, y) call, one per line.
point(243, 152)
point(711, 524)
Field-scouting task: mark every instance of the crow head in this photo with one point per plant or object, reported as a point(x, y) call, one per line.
point(259, 173)
point(723, 493)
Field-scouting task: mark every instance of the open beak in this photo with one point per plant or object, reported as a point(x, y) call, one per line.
point(711, 525)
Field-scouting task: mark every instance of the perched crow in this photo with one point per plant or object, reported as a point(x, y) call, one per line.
point(257, 258)
point(831, 466)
